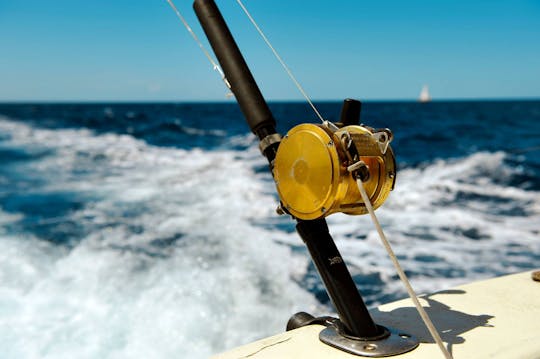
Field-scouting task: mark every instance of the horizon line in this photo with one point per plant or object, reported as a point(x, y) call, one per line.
point(232, 100)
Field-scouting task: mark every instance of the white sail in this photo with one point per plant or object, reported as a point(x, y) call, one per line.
point(424, 94)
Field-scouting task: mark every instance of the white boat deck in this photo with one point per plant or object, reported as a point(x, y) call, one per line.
point(495, 318)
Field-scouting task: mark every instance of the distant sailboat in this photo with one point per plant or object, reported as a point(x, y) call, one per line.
point(424, 94)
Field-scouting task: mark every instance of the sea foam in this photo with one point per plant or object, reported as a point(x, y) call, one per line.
point(169, 252)
point(167, 263)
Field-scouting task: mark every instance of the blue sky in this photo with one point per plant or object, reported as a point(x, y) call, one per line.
point(121, 50)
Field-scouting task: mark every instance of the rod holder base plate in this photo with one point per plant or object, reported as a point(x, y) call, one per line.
point(395, 343)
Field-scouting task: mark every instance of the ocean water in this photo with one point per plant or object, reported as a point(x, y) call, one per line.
point(149, 230)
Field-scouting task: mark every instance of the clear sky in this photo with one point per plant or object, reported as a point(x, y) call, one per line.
point(137, 50)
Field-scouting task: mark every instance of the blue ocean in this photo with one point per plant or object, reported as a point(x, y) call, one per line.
point(149, 230)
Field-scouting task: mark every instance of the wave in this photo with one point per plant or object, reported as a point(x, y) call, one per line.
point(166, 260)
point(451, 221)
point(113, 247)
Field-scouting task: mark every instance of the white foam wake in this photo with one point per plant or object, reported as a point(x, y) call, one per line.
point(170, 265)
point(451, 221)
point(172, 260)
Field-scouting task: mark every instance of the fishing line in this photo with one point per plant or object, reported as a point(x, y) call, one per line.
point(425, 317)
point(201, 46)
point(278, 57)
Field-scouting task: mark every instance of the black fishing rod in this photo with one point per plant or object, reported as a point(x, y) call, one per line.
point(318, 170)
point(339, 284)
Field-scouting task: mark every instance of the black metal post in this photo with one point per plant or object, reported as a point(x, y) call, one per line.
point(339, 284)
point(350, 112)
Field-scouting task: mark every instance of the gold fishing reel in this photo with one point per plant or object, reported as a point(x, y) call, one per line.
point(315, 174)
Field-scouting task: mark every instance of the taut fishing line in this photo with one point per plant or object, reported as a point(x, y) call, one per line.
point(201, 46)
point(287, 70)
point(401, 273)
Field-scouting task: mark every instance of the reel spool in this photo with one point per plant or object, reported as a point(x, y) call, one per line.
point(313, 172)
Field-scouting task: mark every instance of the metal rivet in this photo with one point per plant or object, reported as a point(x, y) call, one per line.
point(370, 347)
